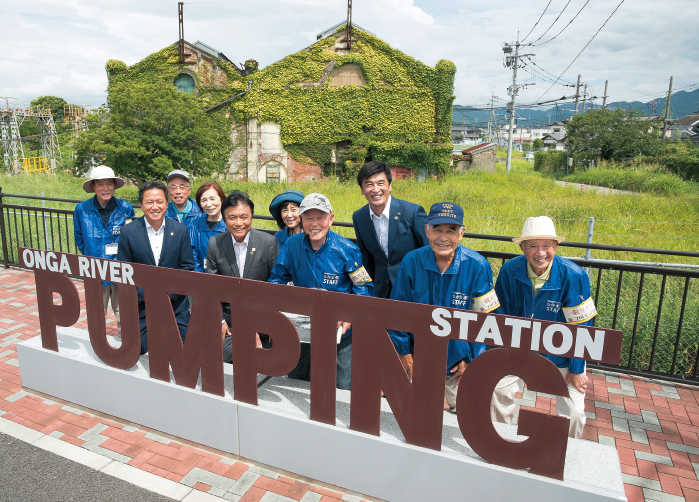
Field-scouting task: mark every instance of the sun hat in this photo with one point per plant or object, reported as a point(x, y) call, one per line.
point(447, 213)
point(539, 228)
point(178, 173)
point(289, 196)
point(315, 201)
point(102, 173)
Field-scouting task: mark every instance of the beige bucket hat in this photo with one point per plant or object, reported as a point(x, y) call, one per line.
point(102, 173)
point(541, 227)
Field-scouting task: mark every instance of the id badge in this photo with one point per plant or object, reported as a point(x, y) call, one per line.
point(111, 249)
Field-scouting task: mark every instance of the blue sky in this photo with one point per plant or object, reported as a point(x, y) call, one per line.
point(60, 48)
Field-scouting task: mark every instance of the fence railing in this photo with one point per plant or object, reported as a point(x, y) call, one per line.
point(657, 308)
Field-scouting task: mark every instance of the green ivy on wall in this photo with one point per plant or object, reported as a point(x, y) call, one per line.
point(402, 115)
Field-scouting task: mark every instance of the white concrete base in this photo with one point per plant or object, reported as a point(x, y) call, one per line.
point(279, 433)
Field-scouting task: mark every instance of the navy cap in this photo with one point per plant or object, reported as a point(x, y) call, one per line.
point(446, 213)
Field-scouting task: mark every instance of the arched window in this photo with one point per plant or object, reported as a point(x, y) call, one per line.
point(184, 83)
point(348, 74)
point(271, 172)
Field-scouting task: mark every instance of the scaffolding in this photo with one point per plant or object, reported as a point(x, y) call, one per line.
point(12, 116)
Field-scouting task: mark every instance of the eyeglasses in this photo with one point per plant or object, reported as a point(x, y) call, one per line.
point(175, 187)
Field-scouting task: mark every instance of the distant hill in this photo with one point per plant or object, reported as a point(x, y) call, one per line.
point(682, 103)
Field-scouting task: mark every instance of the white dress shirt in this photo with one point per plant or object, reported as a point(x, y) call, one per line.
point(381, 225)
point(241, 249)
point(155, 239)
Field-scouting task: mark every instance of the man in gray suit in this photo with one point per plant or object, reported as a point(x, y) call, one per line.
point(242, 252)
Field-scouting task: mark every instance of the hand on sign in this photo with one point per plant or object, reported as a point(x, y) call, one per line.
point(579, 381)
point(224, 331)
point(345, 326)
point(407, 360)
point(458, 371)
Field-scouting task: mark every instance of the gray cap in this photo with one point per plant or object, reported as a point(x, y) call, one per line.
point(315, 201)
point(177, 173)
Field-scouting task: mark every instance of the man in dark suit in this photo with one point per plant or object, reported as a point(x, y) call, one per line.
point(242, 252)
point(387, 229)
point(156, 240)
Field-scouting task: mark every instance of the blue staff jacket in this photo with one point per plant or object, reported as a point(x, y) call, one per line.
point(568, 286)
point(199, 235)
point(420, 281)
point(328, 268)
point(282, 236)
point(92, 235)
point(192, 215)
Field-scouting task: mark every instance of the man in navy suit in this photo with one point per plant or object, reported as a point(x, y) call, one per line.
point(387, 229)
point(156, 240)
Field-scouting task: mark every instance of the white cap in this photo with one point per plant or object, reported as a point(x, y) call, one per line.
point(315, 201)
point(539, 228)
point(102, 173)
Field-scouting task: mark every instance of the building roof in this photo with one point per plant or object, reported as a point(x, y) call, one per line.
point(477, 147)
point(557, 136)
point(687, 120)
point(332, 30)
point(211, 51)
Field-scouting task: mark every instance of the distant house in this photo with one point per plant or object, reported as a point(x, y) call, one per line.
point(687, 127)
point(555, 141)
point(477, 157)
point(558, 127)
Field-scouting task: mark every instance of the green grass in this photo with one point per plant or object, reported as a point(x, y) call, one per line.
point(653, 179)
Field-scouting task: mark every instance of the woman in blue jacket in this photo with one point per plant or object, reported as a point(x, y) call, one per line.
point(209, 198)
point(285, 209)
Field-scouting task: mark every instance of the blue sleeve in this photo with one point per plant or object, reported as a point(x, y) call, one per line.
point(582, 285)
point(78, 216)
point(355, 256)
point(130, 214)
point(402, 287)
point(198, 260)
point(419, 222)
point(503, 292)
point(281, 273)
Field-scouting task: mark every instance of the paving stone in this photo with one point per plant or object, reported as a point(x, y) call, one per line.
point(642, 482)
point(652, 457)
point(670, 392)
point(682, 447)
point(606, 440)
point(627, 384)
point(650, 417)
point(227, 461)
point(263, 472)
point(231, 496)
point(351, 498)
point(695, 466)
point(613, 390)
point(611, 378)
point(648, 427)
point(17, 304)
point(608, 406)
point(91, 433)
point(310, 496)
point(6, 353)
point(275, 497)
point(16, 396)
point(26, 309)
point(156, 437)
point(528, 395)
point(639, 435)
point(129, 428)
point(216, 492)
point(591, 415)
point(244, 483)
point(658, 496)
point(72, 410)
point(93, 445)
point(20, 325)
point(2, 412)
point(197, 474)
point(6, 320)
point(524, 402)
point(48, 402)
point(620, 425)
point(57, 434)
point(12, 362)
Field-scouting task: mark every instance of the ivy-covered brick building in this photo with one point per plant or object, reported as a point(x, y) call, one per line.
point(320, 112)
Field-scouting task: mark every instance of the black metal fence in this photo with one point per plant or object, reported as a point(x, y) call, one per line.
point(657, 308)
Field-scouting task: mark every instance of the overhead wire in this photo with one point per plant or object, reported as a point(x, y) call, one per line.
point(537, 21)
point(554, 22)
point(583, 49)
point(566, 26)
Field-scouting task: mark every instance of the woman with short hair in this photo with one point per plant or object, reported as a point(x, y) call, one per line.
point(285, 210)
point(209, 198)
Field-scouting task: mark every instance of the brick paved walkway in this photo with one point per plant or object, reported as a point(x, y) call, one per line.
point(652, 424)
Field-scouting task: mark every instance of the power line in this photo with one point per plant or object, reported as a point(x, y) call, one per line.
point(569, 23)
point(537, 21)
point(554, 22)
point(586, 45)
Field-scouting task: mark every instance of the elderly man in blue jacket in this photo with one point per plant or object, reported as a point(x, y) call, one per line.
point(544, 286)
point(182, 207)
point(387, 228)
point(445, 274)
point(319, 258)
point(97, 226)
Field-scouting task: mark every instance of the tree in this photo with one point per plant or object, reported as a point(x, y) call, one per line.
point(538, 143)
point(612, 134)
point(150, 129)
point(53, 102)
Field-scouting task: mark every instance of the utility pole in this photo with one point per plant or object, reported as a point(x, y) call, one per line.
point(577, 95)
point(514, 62)
point(604, 99)
point(180, 13)
point(667, 110)
point(584, 99)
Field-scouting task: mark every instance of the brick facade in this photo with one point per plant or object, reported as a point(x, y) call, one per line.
point(298, 171)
